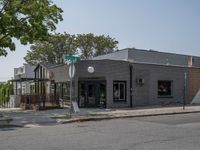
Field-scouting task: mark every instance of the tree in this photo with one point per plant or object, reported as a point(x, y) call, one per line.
point(27, 21)
point(52, 50)
point(2, 94)
point(86, 45)
point(104, 45)
point(5, 91)
point(90, 45)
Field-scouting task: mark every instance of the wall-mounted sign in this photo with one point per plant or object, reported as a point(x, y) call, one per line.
point(90, 69)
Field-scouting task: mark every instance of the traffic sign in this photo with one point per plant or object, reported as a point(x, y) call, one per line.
point(71, 71)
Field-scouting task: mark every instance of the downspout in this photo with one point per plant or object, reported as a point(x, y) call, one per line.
point(131, 84)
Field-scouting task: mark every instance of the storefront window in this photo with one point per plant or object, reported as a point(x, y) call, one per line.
point(119, 91)
point(164, 88)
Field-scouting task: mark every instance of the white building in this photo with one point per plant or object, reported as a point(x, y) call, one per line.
point(25, 71)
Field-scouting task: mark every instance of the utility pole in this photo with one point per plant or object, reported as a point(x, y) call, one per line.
point(184, 98)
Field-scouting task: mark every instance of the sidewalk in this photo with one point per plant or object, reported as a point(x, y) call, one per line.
point(9, 109)
point(31, 118)
point(102, 114)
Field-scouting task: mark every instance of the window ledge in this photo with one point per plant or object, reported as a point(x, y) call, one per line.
point(165, 97)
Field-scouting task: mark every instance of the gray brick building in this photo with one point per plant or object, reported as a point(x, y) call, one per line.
point(132, 77)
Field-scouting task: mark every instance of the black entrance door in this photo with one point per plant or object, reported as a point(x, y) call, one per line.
point(92, 93)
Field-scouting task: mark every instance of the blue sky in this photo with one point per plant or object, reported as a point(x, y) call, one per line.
point(163, 25)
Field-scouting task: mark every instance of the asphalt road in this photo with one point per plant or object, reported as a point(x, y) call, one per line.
point(175, 132)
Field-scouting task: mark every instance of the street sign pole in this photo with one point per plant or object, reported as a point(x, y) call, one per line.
point(71, 90)
point(71, 75)
point(70, 60)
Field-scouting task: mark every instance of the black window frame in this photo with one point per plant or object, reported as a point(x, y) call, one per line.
point(171, 89)
point(125, 94)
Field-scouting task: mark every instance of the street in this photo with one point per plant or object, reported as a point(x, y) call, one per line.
point(175, 132)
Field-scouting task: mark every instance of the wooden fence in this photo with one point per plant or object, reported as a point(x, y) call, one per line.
point(39, 102)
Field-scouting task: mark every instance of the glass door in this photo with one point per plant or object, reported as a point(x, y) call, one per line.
point(92, 93)
point(91, 97)
point(82, 94)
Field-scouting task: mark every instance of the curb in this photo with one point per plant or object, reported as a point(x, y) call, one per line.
point(124, 116)
point(5, 121)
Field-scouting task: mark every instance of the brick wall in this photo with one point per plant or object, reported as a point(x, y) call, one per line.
point(194, 82)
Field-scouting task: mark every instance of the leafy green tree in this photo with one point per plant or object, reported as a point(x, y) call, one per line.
point(104, 45)
point(86, 45)
point(52, 50)
point(2, 95)
point(27, 21)
point(90, 45)
point(1, 101)
point(7, 93)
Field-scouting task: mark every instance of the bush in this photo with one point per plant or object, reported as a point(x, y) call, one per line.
point(5, 91)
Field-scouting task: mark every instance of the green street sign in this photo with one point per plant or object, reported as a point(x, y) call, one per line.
point(71, 59)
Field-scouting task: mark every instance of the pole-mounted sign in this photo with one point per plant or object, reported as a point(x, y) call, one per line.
point(71, 71)
point(70, 60)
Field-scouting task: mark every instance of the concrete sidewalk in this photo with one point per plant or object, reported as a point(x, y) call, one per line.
point(9, 109)
point(102, 114)
point(56, 116)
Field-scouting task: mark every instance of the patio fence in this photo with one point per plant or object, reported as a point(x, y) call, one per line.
point(39, 101)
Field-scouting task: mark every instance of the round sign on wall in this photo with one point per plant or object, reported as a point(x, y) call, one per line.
point(71, 70)
point(90, 69)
